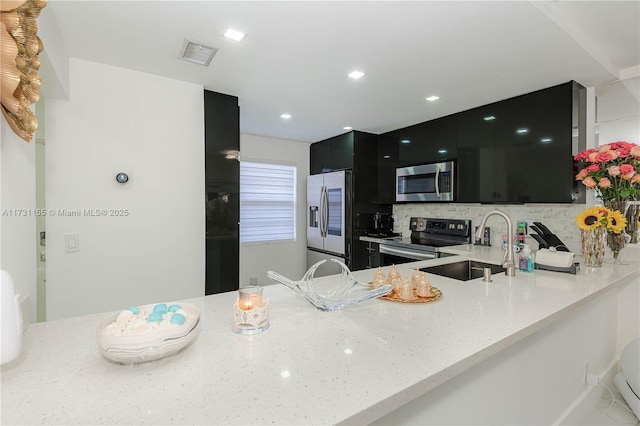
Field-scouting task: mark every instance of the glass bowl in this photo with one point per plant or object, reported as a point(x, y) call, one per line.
point(334, 292)
point(153, 345)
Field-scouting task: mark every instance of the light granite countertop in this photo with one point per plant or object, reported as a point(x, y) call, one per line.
point(350, 366)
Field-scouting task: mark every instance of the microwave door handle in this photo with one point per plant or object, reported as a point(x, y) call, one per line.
point(438, 182)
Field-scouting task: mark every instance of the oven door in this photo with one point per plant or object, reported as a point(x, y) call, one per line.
point(429, 182)
point(395, 255)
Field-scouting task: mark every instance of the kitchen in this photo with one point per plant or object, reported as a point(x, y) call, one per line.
point(182, 148)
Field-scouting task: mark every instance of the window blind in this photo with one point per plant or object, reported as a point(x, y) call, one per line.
point(267, 202)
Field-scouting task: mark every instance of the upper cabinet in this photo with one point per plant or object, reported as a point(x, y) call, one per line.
point(423, 143)
point(428, 142)
point(332, 154)
point(520, 150)
point(353, 150)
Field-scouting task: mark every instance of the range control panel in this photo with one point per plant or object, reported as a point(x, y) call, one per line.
point(457, 227)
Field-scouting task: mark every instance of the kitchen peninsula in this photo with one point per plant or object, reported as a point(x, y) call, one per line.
point(351, 366)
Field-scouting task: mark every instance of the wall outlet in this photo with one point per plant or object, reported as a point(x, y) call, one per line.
point(585, 373)
point(590, 378)
point(253, 281)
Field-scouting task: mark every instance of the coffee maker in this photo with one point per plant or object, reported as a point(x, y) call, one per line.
point(382, 226)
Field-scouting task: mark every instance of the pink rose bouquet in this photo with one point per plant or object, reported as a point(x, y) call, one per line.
point(611, 170)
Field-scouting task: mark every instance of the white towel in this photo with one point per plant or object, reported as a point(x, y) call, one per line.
point(561, 259)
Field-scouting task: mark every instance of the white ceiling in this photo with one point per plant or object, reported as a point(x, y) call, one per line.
point(297, 54)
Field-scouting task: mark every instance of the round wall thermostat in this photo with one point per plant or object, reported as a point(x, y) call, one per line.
point(122, 178)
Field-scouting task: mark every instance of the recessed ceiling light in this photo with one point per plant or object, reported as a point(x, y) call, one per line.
point(405, 141)
point(387, 156)
point(546, 140)
point(356, 74)
point(234, 34)
point(347, 128)
point(232, 155)
point(522, 131)
point(489, 118)
point(286, 116)
point(198, 53)
point(442, 151)
point(432, 98)
point(285, 374)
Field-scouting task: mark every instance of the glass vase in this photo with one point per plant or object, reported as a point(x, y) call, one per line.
point(633, 216)
point(593, 242)
point(616, 242)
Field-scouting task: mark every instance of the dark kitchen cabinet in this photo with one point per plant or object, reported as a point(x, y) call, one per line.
point(357, 151)
point(369, 254)
point(476, 154)
point(520, 150)
point(429, 142)
point(424, 143)
point(222, 136)
point(387, 157)
point(332, 154)
point(353, 150)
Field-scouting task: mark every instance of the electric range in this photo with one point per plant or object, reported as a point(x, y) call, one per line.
point(428, 236)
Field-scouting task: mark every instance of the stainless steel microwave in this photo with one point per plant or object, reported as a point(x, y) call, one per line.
point(427, 182)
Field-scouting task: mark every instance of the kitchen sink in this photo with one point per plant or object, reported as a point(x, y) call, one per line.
point(464, 271)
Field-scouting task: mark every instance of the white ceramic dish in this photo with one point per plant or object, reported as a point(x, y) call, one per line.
point(151, 346)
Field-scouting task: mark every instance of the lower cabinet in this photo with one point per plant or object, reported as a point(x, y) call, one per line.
point(373, 250)
point(367, 255)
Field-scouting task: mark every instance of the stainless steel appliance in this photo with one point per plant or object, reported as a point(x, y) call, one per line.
point(428, 182)
point(329, 220)
point(428, 236)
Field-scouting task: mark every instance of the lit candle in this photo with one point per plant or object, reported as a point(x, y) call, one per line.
point(249, 297)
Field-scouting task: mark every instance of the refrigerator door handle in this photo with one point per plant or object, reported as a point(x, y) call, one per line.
point(324, 212)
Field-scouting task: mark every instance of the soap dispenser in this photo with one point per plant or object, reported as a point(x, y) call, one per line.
point(525, 262)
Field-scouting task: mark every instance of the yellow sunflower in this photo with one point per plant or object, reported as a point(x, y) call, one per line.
point(590, 219)
point(616, 221)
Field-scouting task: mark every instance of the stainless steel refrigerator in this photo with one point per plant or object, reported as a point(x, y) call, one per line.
point(329, 220)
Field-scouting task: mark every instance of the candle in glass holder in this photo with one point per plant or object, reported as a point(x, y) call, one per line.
point(406, 290)
point(423, 288)
point(250, 312)
point(249, 297)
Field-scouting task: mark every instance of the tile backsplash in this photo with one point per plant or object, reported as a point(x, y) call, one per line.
point(559, 218)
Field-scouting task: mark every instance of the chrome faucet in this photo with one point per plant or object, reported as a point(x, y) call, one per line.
point(509, 258)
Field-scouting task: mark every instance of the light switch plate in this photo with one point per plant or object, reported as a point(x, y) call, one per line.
point(71, 243)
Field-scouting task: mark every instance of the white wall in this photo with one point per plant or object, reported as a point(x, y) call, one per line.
point(618, 114)
point(152, 128)
point(287, 258)
point(18, 229)
point(54, 59)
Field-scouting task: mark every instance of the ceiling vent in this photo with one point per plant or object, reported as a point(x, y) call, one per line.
point(197, 52)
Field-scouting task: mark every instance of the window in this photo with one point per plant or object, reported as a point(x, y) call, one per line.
point(267, 202)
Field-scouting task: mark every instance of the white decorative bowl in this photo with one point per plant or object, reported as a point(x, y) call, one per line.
point(150, 346)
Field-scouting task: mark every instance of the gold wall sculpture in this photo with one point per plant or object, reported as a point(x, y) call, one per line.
point(20, 81)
